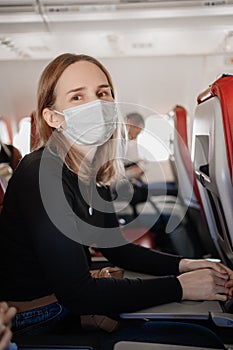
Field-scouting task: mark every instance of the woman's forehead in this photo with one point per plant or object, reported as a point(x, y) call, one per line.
point(81, 74)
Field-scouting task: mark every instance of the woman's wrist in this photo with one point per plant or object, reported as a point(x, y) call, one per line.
point(183, 265)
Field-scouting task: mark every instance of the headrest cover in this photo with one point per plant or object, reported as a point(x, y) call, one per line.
point(223, 89)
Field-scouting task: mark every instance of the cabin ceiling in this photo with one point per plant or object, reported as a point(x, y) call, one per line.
point(41, 29)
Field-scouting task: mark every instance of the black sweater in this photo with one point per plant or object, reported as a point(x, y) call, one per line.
point(45, 230)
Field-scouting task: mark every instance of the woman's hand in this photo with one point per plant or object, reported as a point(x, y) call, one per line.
point(6, 315)
point(204, 284)
point(187, 265)
point(229, 283)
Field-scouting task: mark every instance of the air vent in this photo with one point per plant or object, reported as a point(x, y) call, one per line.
point(60, 7)
point(69, 6)
point(216, 3)
point(142, 45)
point(13, 7)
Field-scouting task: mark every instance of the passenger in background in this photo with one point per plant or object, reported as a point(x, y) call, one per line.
point(135, 166)
point(59, 203)
point(6, 315)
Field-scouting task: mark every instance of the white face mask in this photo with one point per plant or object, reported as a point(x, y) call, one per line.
point(91, 123)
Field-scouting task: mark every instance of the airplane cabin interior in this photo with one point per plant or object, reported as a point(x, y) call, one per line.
point(172, 62)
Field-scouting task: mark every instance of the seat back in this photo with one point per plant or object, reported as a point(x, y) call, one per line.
point(68, 341)
point(129, 345)
point(140, 236)
point(188, 191)
point(54, 347)
point(10, 157)
point(212, 156)
point(182, 166)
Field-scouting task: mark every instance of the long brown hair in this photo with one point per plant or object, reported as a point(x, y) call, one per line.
point(108, 154)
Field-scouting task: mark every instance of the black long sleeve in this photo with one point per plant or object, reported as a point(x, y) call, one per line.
point(148, 260)
point(45, 229)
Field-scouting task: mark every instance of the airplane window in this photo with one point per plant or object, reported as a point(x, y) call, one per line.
point(21, 140)
point(4, 134)
point(154, 141)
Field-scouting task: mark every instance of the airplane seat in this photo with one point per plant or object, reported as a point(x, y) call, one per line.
point(1, 196)
point(139, 236)
point(55, 342)
point(188, 190)
point(130, 345)
point(212, 157)
point(9, 159)
point(67, 338)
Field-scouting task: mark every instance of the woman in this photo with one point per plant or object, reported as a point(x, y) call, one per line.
point(58, 203)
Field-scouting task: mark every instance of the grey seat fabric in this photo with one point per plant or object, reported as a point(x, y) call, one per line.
point(148, 346)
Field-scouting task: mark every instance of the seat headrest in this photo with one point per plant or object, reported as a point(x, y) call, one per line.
point(223, 89)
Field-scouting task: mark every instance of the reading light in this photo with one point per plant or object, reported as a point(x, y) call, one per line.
point(11, 46)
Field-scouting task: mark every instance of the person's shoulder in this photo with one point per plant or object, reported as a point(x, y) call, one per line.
point(31, 159)
point(46, 162)
point(42, 154)
point(28, 166)
point(27, 171)
point(40, 161)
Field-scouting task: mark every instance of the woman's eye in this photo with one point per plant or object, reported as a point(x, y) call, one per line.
point(77, 97)
point(102, 94)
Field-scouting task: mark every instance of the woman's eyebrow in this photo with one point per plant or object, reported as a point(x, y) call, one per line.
point(104, 86)
point(84, 88)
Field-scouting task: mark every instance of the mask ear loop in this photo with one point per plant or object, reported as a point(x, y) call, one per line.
point(60, 113)
point(59, 129)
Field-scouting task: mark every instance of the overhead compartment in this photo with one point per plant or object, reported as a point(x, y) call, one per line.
point(60, 10)
point(17, 11)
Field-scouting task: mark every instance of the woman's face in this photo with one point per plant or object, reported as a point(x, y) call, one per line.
point(80, 83)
